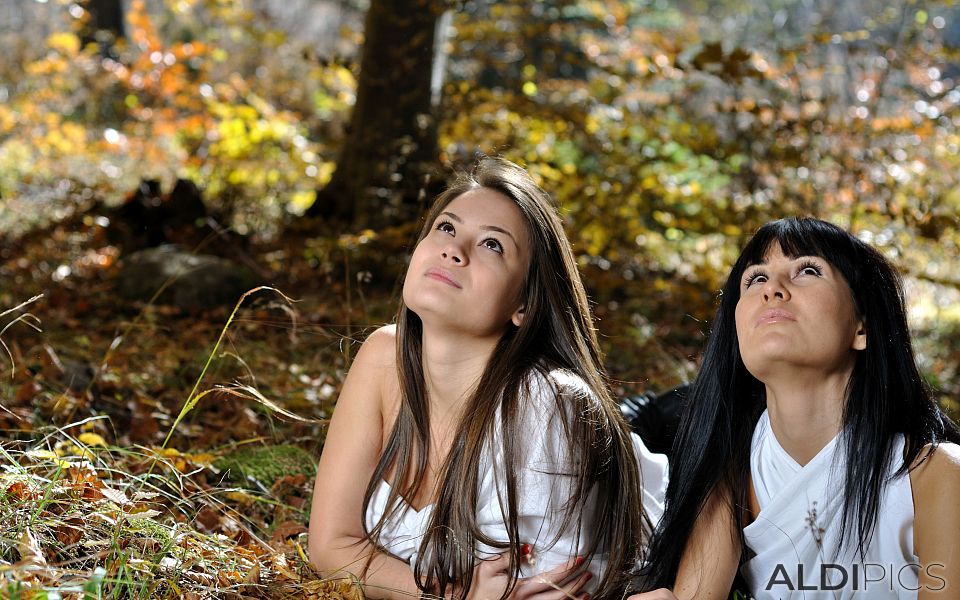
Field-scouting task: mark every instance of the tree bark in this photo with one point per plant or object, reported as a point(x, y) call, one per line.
point(104, 25)
point(391, 145)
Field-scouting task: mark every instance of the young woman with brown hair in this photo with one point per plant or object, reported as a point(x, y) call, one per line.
point(475, 450)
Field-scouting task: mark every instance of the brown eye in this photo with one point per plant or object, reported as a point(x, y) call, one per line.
point(493, 244)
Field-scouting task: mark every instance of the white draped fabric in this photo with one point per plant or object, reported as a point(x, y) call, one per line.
point(794, 540)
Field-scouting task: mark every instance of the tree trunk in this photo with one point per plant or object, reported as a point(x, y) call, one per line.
point(104, 25)
point(391, 145)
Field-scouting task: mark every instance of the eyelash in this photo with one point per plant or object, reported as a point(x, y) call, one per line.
point(806, 264)
point(498, 247)
point(809, 264)
point(751, 277)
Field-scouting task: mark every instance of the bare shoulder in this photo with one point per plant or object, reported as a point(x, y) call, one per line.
point(380, 347)
point(935, 478)
point(947, 456)
point(373, 372)
point(351, 449)
point(937, 464)
point(355, 433)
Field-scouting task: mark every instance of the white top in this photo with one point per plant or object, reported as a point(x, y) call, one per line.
point(542, 491)
point(795, 537)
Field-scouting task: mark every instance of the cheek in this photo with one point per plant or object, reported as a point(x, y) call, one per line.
point(840, 305)
point(421, 253)
point(508, 287)
point(412, 267)
point(519, 287)
point(739, 317)
point(406, 291)
point(742, 331)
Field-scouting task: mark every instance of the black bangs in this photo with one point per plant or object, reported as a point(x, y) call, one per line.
point(803, 236)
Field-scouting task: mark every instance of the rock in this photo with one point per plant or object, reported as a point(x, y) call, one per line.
point(193, 281)
point(148, 218)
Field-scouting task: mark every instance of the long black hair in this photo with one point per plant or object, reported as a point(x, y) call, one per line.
point(885, 396)
point(556, 333)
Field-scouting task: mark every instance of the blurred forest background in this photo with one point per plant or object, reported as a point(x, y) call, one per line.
point(158, 159)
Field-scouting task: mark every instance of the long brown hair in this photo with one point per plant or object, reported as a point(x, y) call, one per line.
point(556, 333)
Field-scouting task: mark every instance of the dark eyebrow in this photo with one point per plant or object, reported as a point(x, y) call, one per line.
point(500, 230)
point(496, 228)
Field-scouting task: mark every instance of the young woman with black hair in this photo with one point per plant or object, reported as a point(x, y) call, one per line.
point(475, 450)
point(811, 455)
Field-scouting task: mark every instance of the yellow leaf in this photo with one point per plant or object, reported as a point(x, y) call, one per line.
point(7, 119)
point(43, 454)
point(325, 172)
point(240, 497)
point(48, 455)
point(64, 42)
point(592, 124)
point(92, 439)
point(301, 200)
point(202, 460)
point(550, 173)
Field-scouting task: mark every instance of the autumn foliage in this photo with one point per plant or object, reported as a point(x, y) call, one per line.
point(667, 132)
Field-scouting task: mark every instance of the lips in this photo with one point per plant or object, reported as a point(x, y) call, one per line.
point(775, 315)
point(443, 276)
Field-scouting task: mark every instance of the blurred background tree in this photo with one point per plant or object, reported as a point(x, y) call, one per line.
point(390, 149)
point(103, 23)
point(667, 130)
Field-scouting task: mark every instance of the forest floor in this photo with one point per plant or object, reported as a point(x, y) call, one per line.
point(150, 451)
point(143, 458)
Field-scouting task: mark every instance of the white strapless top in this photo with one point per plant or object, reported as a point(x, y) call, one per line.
point(541, 495)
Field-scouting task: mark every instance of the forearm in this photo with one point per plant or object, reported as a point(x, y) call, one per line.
point(709, 562)
point(383, 577)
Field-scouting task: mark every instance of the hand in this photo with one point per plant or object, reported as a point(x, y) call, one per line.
point(661, 594)
point(491, 578)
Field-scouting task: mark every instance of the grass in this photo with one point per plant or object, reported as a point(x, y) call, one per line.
point(153, 480)
point(96, 506)
point(90, 520)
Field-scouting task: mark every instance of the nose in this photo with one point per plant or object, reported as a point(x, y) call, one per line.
point(454, 253)
point(773, 289)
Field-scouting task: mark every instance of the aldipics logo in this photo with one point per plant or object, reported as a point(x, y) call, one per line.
point(864, 577)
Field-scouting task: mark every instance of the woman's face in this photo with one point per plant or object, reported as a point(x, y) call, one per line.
point(468, 272)
point(796, 313)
